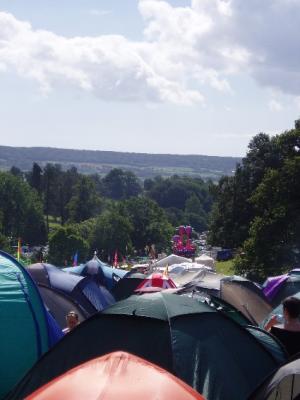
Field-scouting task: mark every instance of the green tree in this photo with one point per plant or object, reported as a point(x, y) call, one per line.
point(64, 242)
point(120, 185)
point(112, 232)
point(21, 210)
point(85, 203)
point(149, 221)
point(274, 242)
point(35, 178)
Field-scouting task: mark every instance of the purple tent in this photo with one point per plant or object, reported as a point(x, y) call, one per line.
point(272, 285)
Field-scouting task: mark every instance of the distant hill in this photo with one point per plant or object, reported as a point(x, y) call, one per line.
point(101, 162)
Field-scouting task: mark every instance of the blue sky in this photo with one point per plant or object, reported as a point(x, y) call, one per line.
point(190, 77)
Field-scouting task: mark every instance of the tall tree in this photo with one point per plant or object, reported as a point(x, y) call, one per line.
point(149, 221)
point(85, 203)
point(121, 185)
point(21, 210)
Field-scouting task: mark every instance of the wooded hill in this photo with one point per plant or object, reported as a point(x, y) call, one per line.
point(101, 162)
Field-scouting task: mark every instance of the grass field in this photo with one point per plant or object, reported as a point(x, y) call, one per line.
point(225, 267)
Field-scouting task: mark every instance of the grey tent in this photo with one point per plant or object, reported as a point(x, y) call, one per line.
point(192, 340)
point(284, 384)
point(247, 297)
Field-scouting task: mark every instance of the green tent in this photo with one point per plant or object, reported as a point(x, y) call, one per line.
point(23, 332)
point(200, 345)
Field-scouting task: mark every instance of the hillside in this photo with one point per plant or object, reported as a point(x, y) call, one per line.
point(142, 164)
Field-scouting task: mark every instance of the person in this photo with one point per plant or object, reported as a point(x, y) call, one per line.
point(72, 321)
point(287, 333)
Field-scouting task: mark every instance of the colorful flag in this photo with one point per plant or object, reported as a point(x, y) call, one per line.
point(115, 264)
point(75, 259)
point(19, 250)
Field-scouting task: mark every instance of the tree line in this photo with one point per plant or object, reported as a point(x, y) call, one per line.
point(257, 211)
point(77, 212)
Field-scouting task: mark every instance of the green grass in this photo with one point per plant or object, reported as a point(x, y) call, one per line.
point(225, 267)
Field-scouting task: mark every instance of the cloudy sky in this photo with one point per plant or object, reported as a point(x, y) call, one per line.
point(173, 76)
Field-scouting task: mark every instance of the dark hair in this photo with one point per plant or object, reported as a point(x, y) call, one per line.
point(292, 306)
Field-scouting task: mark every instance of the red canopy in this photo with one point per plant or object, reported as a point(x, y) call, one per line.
point(116, 376)
point(157, 280)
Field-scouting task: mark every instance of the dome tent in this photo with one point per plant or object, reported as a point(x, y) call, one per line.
point(116, 376)
point(192, 340)
point(99, 271)
point(284, 384)
point(26, 329)
point(88, 296)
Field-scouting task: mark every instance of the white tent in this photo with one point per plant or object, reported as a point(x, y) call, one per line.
point(171, 260)
point(206, 260)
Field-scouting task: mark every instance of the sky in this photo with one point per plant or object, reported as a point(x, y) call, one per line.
point(176, 76)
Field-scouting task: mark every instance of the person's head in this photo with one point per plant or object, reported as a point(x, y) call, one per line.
point(291, 307)
point(72, 319)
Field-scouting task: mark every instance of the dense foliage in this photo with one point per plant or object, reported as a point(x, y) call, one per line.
point(257, 210)
point(82, 213)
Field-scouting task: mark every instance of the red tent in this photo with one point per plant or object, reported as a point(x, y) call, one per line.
point(116, 376)
point(157, 280)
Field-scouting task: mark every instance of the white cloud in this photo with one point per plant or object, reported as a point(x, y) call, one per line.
point(184, 50)
point(111, 67)
point(275, 106)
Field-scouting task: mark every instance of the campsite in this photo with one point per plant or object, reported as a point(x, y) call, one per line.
point(150, 200)
point(205, 329)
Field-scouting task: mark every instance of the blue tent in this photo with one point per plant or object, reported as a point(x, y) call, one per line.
point(99, 271)
point(89, 296)
point(27, 330)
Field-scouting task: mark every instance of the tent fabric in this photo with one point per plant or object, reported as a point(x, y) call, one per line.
point(205, 260)
point(59, 305)
point(188, 274)
point(24, 325)
point(246, 297)
point(272, 285)
point(126, 286)
point(196, 343)
point(89, 296)
point(170, 260)
point(284, 384)
point(116, 376)
point(157, 280)
point(111, 275)
point(289, 287)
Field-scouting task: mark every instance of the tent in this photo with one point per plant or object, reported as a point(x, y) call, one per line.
point(247, 297)
point(206, 282)
point(126, 286)
point(243, 294)
point(284, 384)
point(157, 280)
point(195, 342)
point(116, 376)
point(278, 288)
point(206, 260)
point(183, 274)
point(98, 270)
point(59, 304)
point(170, 260)
point(88, 296)
point(26, 329)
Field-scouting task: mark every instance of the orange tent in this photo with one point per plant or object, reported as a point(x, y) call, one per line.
point(116, 376)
